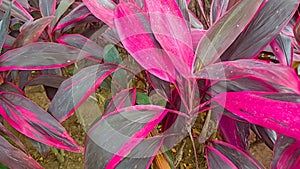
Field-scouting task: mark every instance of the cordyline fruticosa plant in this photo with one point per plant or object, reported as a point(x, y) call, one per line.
point(221, 67)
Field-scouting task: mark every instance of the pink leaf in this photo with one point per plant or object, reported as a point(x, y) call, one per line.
point(135, 33)
point(173, 34)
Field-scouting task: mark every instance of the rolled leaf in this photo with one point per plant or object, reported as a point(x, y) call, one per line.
point(103, 10)
point(75, 90)
point(266, 25)
point(133, 27)
point(15, 158)
point(258, 108)
point(40, 55)
point(224, 32)
point(32, 121)
point(286, 153)
point(282, 48)
point(172, 32)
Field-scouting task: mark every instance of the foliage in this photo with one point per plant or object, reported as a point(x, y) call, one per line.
point(239, 73)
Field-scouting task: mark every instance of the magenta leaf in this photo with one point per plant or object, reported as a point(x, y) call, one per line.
point(81, 42)
point(15, 158)
point(135, 33)
point(125, 98)
point(76, 15)
point(282, 48)
point(75, 90)
point(197, 35)
point(40, 55)
point(103, 10)
point(32, 121)
point(128, 127)
point(272, 73)
point(60, 10)
point(47, 7)
point(217, 10)
point(32, 31)
point(17, 10)
point(286, 153)
point(245, 105)
point(161, 87)
point(224, 32)
point(173, 34)
point(235, 132)
point(262, 29)
point(239, 158)
point(216, 159)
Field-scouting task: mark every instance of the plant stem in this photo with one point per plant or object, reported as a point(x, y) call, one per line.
point(194, 148)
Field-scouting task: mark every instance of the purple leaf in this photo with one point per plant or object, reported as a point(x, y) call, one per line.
point(24, 3)
point(265, 109)
point(239, 158)
point(286, 153)
point(266, 135)
point(47, 80)
point(10, 87)
point(276, 74)
point(4, 24)
point(103, 10)
point(282, 48)
point(32, 121)
point(32, 31)
point(61, 9)
point(11, 136)
point(197, 35)
point(17, 10)
point(161, 87)
point(77, 14)
point(217, 10)
point(40, 55)
point(271, 18)
point(15, 158)
point(216, 159)
point(75, 90)
point(81, 42)
point(135, 33)
point(47, 7)
point(173, 34)
point(128, 127)
point(235, 132)
point(224, 32)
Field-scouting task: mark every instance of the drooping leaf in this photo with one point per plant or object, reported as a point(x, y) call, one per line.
point(4, 23)
point(272, 73)
point(239, 158)
point(224, 32)
point(15, 158)
point(32, 121)
point(74, 91)
point(286, 153)
point(266, 135)
point(134, 30)
point(81, 42)
point(17, 10)
point(235, 132)
point(217, 10)
point(47, 80)
point(32, 31)
point(195, 23)
point(11, 136)
point(216, 159)
point(248, 105)
point(282, 48)
point(128, 127)
point(76, 15)
point(173, 34)
point(103, 10)
point(264, 27)
point(40, 55)
point(47, 7)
